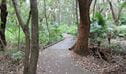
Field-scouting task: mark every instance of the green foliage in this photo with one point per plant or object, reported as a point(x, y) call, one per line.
point(57, 22)
point(70, 29)
point(98, 28)
point(117, 48)
point(100, 19)
point(123, 19)
point(56, 33)
point(121, 30)
point(15, 54)
point(123, 5)
point(12, 35)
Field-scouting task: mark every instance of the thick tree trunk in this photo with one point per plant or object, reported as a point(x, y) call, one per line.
point(3, 24)
point(81, 46)
point(35, 37)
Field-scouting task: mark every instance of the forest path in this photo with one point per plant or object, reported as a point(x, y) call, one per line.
point(57, 59)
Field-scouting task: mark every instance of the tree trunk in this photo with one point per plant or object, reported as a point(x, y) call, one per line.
point(34, 37)
point(113, 13)
point(81, 46)
point(76, 10)
point(27, 53)
point(3, 24)
point(28, 47)
point(26, 31)
point(94, 6)
point(46, 20)
point(59, 13)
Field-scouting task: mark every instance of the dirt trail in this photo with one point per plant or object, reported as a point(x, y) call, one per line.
point(57, 59)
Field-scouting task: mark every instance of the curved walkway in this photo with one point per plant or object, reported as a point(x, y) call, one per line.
point(57, 59)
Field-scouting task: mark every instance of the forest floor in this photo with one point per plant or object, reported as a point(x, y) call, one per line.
point(9, 65)
point(57, 59)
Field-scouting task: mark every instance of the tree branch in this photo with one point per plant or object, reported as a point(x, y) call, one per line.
point(29, 17)
point(20, 20)
point(23, 25)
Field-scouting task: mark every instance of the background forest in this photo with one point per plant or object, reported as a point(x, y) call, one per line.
point(54, 20)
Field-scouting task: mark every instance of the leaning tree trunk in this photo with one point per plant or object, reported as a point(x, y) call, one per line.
point(3, 24)
point(34, 37)
point(81, 46)
point(25, 28)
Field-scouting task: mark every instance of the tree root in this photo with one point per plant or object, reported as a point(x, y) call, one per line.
point(72, 47)
point(80, 50)
point(101, 53)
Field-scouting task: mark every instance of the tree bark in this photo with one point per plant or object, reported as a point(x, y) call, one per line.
point(4, 14)
point(34, 37)
point(81, 46)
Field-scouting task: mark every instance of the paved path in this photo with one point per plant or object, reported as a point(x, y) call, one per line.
point(57, 60)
